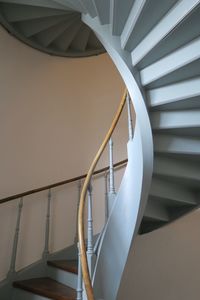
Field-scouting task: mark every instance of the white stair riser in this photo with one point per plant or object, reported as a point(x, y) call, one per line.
point(176, 145)
point(161, 188)
point(175, 119)
point(155, 211)
point(24, 295)
point(176, 169)
point(63, 277)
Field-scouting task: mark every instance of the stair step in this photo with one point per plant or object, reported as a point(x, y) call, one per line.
point(176, 145)
point(156, 211)
point(171, 62)
point(171, 193)
point(139, 24)
point(46, 287)
point(47, 36)
point(182, 104)
point(64, 40)
point(66, 265)
point(25, 12)
point(80, 41)
point(90, 7)
point(187, 31)
point(39, 3)
point(119, 14)
point(167, 24)
point(32, 27)
point(73, 4)
point(182, 170)
point(131, 21)
point(177, 92)
point(148, 225)
point(103, 10)
point(179, 119)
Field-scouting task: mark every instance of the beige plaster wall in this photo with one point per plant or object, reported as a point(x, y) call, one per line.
point(165, 263)
point(54, 113)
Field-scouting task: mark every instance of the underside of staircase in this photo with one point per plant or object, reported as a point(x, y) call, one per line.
point(156, 48)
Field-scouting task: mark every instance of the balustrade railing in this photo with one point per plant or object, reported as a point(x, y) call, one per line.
point(92, 247)
point(87, 249)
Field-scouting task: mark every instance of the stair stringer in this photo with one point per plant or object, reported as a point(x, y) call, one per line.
point(117, 242)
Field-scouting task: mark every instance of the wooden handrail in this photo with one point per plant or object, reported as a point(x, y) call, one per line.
point(83, 255)
point(50, 186)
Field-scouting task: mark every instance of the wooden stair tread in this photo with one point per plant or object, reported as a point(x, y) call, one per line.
point(66, 265)
point(47, 287)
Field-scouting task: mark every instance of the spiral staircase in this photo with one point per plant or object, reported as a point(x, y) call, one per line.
point(156, 47)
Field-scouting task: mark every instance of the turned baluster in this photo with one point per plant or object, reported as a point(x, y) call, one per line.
point(130, 122)
point(78, 201)
point(16, 240)
point(106, 197)
point(90, 250)
point(79, 290)
point(47, 230)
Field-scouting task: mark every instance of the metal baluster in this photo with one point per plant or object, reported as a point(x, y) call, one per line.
point(47, 231)
point(79, 196)
point(16, 240)
point(130, 122)
point(106, 197)
point(111, 181)
point(79, 289)
point(90, 250)
point(111, 193)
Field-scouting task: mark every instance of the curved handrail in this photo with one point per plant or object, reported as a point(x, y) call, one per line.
point(54, 185)
point(83, 256)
